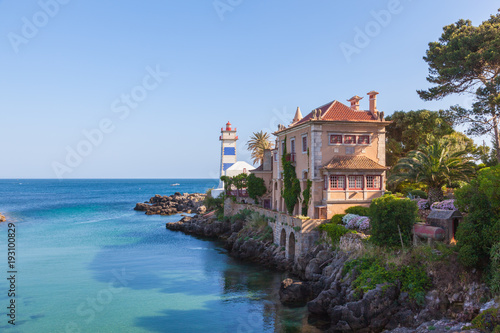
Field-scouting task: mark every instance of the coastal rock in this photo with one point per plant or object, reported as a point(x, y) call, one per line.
point(2, 218)
point(294, 293)
point(373, 311)
point(319, 280)
point(173, 204)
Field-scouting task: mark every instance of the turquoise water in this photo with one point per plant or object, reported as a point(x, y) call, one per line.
point(87, 262)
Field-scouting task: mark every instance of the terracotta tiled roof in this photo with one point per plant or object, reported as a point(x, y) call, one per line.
point(336, 111)
point(353, 163)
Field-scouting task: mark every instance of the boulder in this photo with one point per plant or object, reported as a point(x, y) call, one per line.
point(2, 218)
point(294, 293)
point(143, 207)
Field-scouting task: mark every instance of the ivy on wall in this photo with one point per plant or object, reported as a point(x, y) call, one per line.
point(306, 194)
point(291, 184)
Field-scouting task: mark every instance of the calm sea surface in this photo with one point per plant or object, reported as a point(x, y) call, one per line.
point(87, 262)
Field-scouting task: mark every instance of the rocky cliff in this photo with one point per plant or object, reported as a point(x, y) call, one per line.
point(2, 218)
point(322, 282)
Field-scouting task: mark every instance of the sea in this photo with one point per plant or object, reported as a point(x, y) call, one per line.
point(82, 260)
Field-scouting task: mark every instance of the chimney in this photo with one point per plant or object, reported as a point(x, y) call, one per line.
point(373, 103)
point(268, 160)
point(355, 102)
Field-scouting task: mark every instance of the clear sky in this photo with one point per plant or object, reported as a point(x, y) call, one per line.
point(70, 67)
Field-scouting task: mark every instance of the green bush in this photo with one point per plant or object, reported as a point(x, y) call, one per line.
point(337, 218)
point(389, 216)
point(480, 230)
point(495, 268)
point(486, 321)
point(216, 204)
point(334, 231)
point(419, 193)
point(242, 215)
point(256, 221)
point(372, 271)
point(358, 210)
point(256, 187)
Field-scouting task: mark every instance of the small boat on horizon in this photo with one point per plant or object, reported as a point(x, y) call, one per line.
point(176, 184)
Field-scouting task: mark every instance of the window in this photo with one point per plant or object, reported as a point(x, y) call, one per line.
point(292, 146)
point(350, 139)
point(356, 182)
point(373, 183)
point(335, 139)
point(304, 143)
point(275, 154)
point(349, 150)
point(337, 182)
point(282, 147)
point(326, 183)
point(364, 139)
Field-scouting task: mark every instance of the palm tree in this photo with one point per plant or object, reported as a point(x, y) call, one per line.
point(259, 142)
point(435, 164)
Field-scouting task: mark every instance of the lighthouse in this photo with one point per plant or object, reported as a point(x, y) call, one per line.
point(228, 140)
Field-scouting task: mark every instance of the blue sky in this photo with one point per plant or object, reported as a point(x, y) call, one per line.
point(154, 81)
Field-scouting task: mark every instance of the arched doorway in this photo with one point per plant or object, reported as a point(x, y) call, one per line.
point(291, 246)
point(283, 238)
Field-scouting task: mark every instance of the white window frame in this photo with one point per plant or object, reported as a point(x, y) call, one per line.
point(304, 151)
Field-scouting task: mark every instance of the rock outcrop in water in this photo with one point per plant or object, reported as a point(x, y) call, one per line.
point(2, 218)
point(173, 204)
point(321, 283)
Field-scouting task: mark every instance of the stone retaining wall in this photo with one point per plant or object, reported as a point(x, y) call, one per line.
point(293, 233)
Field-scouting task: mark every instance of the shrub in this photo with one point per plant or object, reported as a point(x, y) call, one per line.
point(353, 221)
point(348, 217)
point(337, 218)
point(480, 230)
point(242, 215)
point(334, 231)
point(358, 210)
point(256, 220)
point(216, 204)
point(495, 268)
point(419, 193)
point(422, 204)
point(372, 271)
point(446, 204)
point(391, 216)
point(486, 321)
point(256, 187)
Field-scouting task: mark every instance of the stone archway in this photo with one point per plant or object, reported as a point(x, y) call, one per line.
point(291, 246)
point(283, 238)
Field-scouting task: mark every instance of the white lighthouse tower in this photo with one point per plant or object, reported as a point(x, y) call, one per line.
point(228, 140)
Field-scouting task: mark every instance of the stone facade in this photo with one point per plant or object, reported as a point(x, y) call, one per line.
point(340, 149)
point(297, 236)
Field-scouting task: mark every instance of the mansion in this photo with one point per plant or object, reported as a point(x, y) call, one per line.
point(340, 148)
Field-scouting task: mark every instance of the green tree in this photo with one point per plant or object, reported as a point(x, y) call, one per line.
point(467, 59)
point(409, 130)
point(480, 230)
point(259, 141)
point(240, 182)
point(435, 165)
point(256, 187)
point(228, 182)
point(392, 220)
